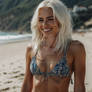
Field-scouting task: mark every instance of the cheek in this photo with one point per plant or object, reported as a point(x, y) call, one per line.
point(56, 28)
point(39, 27)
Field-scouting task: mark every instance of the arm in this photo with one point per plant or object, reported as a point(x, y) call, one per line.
point(79, 67)
point(28, 78)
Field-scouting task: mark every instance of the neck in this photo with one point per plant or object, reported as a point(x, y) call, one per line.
point(49, 41)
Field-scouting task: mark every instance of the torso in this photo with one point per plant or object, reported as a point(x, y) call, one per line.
point(52, 83)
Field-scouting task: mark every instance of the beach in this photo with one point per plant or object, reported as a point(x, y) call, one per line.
point(12, 66)
point(12, 63)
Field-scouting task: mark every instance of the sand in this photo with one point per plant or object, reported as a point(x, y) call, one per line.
point(12, 66)
point(12, 63)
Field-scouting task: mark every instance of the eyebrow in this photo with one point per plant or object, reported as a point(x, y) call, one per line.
point(50, 17)
point(47, 17)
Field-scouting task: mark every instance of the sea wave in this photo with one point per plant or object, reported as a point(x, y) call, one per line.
point(13, 37)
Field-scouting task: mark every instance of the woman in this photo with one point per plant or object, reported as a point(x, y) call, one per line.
point(53, 56)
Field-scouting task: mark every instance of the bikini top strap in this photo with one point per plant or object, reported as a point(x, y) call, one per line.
point(34, 57)
point(66, 49)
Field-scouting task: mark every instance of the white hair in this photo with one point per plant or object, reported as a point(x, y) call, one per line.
point(63, 16)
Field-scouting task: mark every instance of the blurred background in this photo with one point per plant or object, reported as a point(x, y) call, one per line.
point(15, 15)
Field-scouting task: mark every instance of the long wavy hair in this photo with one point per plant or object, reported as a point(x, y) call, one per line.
point(62, 14)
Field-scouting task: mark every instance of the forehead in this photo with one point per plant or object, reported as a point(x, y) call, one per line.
point(45, 11)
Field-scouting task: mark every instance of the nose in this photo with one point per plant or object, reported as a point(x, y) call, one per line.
point(45, 24)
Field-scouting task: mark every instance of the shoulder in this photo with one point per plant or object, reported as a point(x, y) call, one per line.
point(29, 48)
point(77, 48)
point(28, 51)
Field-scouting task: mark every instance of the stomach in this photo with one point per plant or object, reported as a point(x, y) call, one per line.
point(50, 84)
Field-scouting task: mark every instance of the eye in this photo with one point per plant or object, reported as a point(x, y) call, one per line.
point(50, 19)
point(41, 20)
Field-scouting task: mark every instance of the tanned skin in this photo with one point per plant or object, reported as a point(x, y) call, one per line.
point(46, 60)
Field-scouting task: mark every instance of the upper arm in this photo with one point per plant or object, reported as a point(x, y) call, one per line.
point(28, 61)
point(28, 78)
point(79, 66)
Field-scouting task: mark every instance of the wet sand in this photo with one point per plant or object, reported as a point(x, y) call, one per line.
point(12, 63)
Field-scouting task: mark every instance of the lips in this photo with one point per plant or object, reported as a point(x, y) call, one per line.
point(46, 30)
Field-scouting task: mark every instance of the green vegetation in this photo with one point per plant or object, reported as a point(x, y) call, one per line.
point(16, 14)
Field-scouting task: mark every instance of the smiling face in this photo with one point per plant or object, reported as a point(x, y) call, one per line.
point(47, 23)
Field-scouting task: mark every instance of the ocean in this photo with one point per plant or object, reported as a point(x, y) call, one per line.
point(8, 37)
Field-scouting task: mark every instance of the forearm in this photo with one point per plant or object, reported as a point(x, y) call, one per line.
point(26, 87)
point(79, 89)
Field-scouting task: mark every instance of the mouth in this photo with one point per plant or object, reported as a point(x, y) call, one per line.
point(47, 30)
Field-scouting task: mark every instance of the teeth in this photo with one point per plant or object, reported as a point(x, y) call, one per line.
point(46, 30)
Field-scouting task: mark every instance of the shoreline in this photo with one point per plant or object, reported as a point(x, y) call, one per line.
point(15, 41)
point(13, 37)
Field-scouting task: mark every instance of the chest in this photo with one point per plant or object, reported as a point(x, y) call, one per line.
point(54, 62)
point(47, 64)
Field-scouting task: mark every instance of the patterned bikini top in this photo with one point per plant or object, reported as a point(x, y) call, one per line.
point(61, 69)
